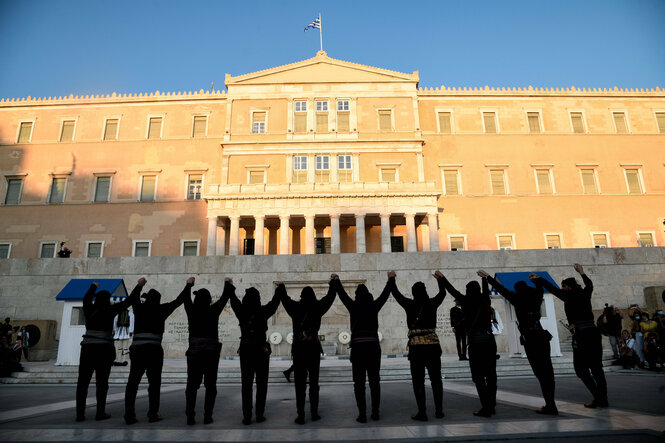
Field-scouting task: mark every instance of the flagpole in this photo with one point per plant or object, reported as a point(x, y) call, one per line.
point(321, 31)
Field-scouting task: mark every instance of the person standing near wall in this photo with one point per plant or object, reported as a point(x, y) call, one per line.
point(306, 318)
point(609, 324)
point(254, 347)
point(587, 341)
point(424, 345)
point(97, 350)
point(457, 323)
point(146, 353)
point(365, 347)
point(123, 330)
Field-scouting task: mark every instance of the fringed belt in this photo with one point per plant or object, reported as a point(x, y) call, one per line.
point(423, 337)
point(93, 337)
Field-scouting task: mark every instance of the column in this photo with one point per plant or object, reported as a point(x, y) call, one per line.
point(212, 236)
point(309, 234)
point(385, 233)
point(259, 225)
point(283, 234)
point(411, 245)
point(360, 234)
point(432, 223)
point(221, 240)
point(334, 234)
point(234, 235)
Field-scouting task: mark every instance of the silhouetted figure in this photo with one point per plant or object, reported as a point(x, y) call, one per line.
point(204, 349)
point(306, 349)
point(146, 353)
point(534, 338)
point(424, 346)
point(6, 330)
point(457, 323)
point(97, 350)
point(365, 347)
point(254, 348)
point(287, 373)
point(482, 346)
point(587, 343)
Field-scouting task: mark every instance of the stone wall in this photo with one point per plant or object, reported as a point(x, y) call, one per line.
point(621, 276)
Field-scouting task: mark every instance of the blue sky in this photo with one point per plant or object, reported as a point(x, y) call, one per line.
point(51, 48)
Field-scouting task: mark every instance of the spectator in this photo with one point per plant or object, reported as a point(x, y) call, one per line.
point(22, 343)
point(652, 351)
point(639, 336)
point(123, 330)
point(609, 324)
point(628, 357)
point(6, 330)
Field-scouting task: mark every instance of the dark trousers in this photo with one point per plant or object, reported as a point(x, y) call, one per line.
point(146, 359)
point(460, 338)
point(306, 362)
point(482, 362)
point(201, 366)
point(366, 359)
point(538, 354)
point(97, 359)
point(588, 362)
point(421, 357)
point(254, 362)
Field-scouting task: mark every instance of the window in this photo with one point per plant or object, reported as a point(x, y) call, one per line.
point(47, 250)
point(256, 177)
point(645, 239)
point(300, 117)
point(498, 181)
point(577, 120)
point(111, 129)
point(633, 181)
point(148, 188)
point(25, 132)
point(78, 316)
point(258, 122)
point(444, 122)
point(248, 246)
point(323, 245)
point(5, 250)
point(141, 248)
point(189, 248)
point(388, 175)
point(457, 243)
point(660, 119)
point(505, 242)
point(194, 186)
point(299, 169)
point(489, 122)
point(533, 118)
point(322, 168)
point(620, 123)
point(599, 240)
point(396, 243)
point(321, 116)
point(451, 182)
point(343, 116)
point(102, 189)
point(14, 188)
point(200, 126)
point(155, 127)
point(544, 181)
point(553, 241)
point(344, 169)
point(94, 249)
point(67, 131)
point(57, 194)
point(385, 120)
point(589, 185)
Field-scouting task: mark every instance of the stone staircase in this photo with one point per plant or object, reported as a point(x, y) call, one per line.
point(332, 371)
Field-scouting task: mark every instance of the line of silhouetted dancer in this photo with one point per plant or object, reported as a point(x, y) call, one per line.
point(365, 347)
point(254, 348)
point(477, 310)
point(146, 352)
point(534, 338)
point(306, 349)
point(587, 340)
point(424, 346)
point(97, 350)
point(204, 349)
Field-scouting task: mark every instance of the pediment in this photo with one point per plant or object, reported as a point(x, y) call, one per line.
point(322, 69)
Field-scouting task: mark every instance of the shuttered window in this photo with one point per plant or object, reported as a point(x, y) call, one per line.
point(388, 175)
point(190, 248)
point(578, 122)
point(456, 243)
point(505, 242)
point(57, 190)
point(14, 186)
point(321, 122)
point(589, 181)
point(544, 181)
point(47, 250)
point(385, 120)
point(646, 239)
point(444, 123)
point(620, 122)
point(343, 116)
point(141, 249)
point(194, 186)
point(660, 118)
point(25, 132)
point(4, 250)
point(102, 187)
point(111, 129)
point(497, 178)
point(300, 117)
point(553, 241)
point(299, 169)
point(256, 177)
point(67, 132)
point(155, 127)
point(534, 122)
point(489, 119)
point(258, 123)
point(451, 182)
point(633, 180)
point(148, 185)
point(94, 250)
point(199, 129)
point(599, 240)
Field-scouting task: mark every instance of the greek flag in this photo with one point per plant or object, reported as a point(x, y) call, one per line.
point(316, 24)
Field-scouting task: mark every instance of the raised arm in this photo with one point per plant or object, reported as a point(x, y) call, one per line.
point(235, 304)
point(90, 293)
point(558, 293)
point(134, 297)
point(326, 302)
point(289, 305)
point(506, 293)
point(168, 308)
point(339, 288)
point(438, 298)
point(229, 289)
point(383, 298)
point(399, 298)
point(588, 285)
point(270, 308)
point(454, 292)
